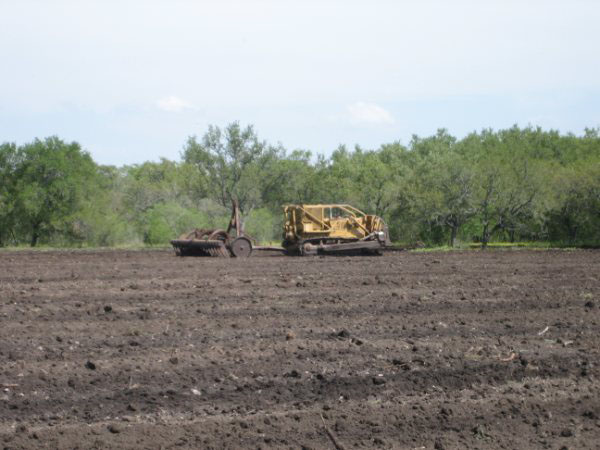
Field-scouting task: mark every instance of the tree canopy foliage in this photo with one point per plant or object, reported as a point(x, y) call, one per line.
point(505, 185)
point(46, 182)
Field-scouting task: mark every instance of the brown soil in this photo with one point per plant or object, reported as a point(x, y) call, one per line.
point(121, 349)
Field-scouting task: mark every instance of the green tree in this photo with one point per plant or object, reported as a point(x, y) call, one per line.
point(375, 180)
point(150, 183)
point(52, 179)
point(290, 179)
point(453, 198)
point(575, 216)
point(510, 183)
point(235, 163)
point(101, 219)
point(8, 160)
point(444, 184)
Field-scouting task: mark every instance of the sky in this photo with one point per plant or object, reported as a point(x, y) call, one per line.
point(132, 80)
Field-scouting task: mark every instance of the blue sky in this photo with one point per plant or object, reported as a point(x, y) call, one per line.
point(131, 80)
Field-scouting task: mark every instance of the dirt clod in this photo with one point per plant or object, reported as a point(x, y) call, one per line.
point(378, 381)
point(438, 445)
point(114, 428)
point(344, 334)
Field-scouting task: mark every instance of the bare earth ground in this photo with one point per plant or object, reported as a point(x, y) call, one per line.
point(120, 349)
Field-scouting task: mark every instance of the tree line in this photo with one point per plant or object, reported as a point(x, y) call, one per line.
point(516, 184)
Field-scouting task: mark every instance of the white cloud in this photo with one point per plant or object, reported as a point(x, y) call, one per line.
point(369, 113)
point(173, 104)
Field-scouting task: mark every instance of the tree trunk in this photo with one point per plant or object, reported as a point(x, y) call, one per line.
point(573, 233)
point(571, 229)
point(453, 233)
point(34, 237)
point(485, 236)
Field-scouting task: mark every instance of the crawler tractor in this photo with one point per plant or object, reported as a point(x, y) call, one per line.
point(307, 230)
point(312, 229)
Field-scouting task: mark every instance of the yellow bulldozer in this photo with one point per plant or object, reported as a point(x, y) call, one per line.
point(313, 229)
point(307, 230)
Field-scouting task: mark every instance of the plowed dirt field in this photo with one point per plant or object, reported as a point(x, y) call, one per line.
point(122, 349)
